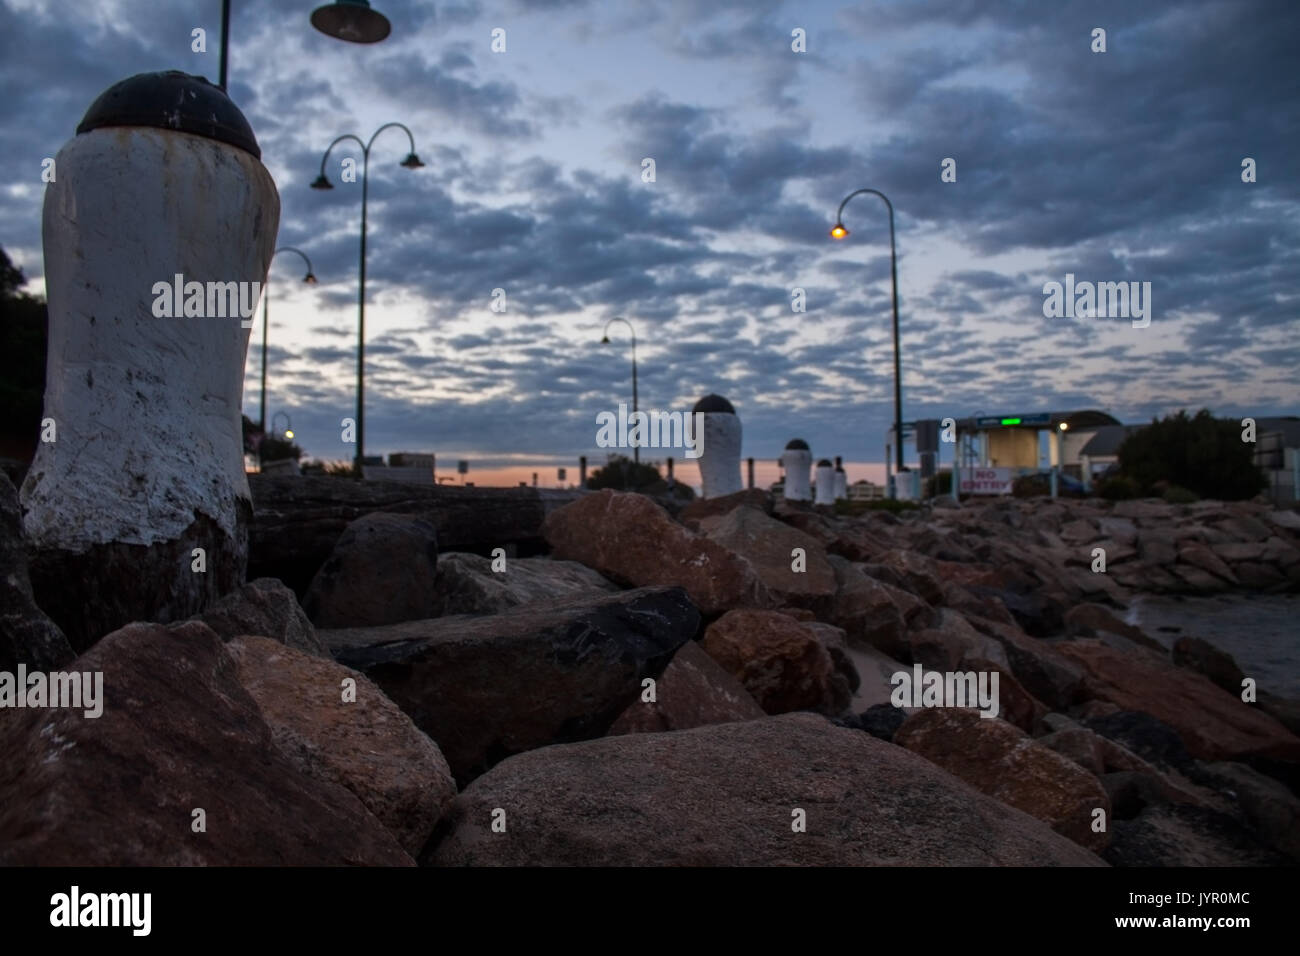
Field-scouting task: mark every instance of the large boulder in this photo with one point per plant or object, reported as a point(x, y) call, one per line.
point(485, 687)
point(731, 795)
point(1002, 761)
point(872, 613)
point(1214, 725)
point(1051, 677)
point(1182, 835)
point(178, 733)
point(381, 571)
point(348, 734)
point(466, 583)
point(912, 572)
point(632, 541)
point(706, 511)
point(265, 608)
point(694, 692)
point(780, 661)
point(773, 548)
point(27, 635)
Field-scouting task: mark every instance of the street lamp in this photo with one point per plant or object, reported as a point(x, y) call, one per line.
point(636, 448)
point(839, 232)
point(310, 279)
point(287, 431)
point(411, 161)
point(351, 20)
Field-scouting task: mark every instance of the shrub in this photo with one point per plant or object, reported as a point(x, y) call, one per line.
point(623, 474)
point(1203, 454)
point(1118, 488)
point(1178, 495)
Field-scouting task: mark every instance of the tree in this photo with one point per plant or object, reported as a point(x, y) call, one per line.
point(1203, 454)
point(24, 331)
point(623, 474)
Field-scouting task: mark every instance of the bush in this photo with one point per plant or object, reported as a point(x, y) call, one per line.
point(1178, 495)
point(1203, 454)
point(850, 508)
point(623, 474)
point(1118, 488)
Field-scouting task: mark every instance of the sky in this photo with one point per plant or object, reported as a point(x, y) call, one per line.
point(1117, 166)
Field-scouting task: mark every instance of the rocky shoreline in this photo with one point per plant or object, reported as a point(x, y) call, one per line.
point(507, 677)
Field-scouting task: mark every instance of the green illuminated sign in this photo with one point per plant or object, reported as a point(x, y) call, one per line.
point(1010, 421)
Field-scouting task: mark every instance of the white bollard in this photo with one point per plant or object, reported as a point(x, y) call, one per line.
point(797, 461)
point(825, 483)
point(138, 510)
point(841, 481)
point(720, 459)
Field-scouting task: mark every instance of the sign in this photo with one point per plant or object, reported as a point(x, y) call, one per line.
point(985, 481)
point(560, 473)
point(462, 467)
point(1012, 421)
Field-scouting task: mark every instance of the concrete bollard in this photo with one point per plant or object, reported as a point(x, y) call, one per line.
point(841, 480)
point(720, 461)
point(158, 232)
point(825, 482)
point(797, 460)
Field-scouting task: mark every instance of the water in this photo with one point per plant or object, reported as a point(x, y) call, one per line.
point(1262, 632)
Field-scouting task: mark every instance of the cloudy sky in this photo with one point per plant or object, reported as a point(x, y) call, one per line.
point(1117, 166)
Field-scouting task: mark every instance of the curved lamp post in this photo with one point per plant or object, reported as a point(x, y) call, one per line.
point(287, 432)
point(411, 161)
point(310, 279)
point(636, 449)
point(839, 232)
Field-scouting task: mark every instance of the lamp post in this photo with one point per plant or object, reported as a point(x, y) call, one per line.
point(310, 279)
point(839, 232)
point(411, 161)
point(636, 449)
point(350, 20)
point(287, 431)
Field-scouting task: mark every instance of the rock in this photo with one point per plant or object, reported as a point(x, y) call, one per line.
point(1177, 835)
point(778, 660)
point(466, 583)
point(1270, 809)
point(381, 571)
point(1259, 577)
point(1214, 725)
point(1049, 676)
point(264, 608)
point(1158, 547)
point(1107, 760)
point(1121, 530)
point(845, 679)
point(880, 720)
point(1204, 658)
point(27, 635)
point(1144, 509)
point(1002, 761)
point(1202, 557)
point(702, 508)
point(694, 691)
point(487, 687)
point(1285, 710)
point(632, 541)
point(1244, 528)
point(366, 745)
point(1282, 553)
point(873, 613)
point(1235, 551)
point(178, 732)
point(910, 572)
point(1290, 520)
point(298, 520)
point(1093, 620)
point(727, 795)
point(1145, 736)
point(770, 546)
point(1079, 532)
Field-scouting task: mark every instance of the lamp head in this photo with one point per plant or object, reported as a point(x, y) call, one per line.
point(412, 162)
point(838, 231)
point(288, 433)
point(351, 20)
point(1064, 426)
point(604, 340)
point(309, 278)
point(321, 182)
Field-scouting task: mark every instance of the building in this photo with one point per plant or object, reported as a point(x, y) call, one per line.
point(1277, 453)
point(415, 468)
point(864, 490)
